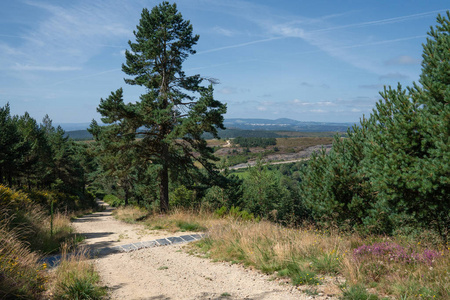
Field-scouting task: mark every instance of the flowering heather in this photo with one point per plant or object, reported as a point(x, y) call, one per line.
point(394, 252)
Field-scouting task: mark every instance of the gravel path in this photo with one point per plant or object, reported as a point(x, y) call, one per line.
point(168, 272)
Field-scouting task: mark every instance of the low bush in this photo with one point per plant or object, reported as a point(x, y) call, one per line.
point(112, 200)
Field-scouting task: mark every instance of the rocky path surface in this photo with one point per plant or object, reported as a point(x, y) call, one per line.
point(168, 272)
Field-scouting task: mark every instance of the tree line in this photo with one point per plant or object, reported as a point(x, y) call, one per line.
point(254, 141)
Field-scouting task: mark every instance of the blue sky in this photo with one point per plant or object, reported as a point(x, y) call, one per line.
point(305, 60)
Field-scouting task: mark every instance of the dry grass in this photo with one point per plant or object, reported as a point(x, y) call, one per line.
point(176, 220)
point(129, 214)
point(300, 143)
point(216, 142)
point(21, 276)
point(315, 260)
point(24, 236)
point(76, 278)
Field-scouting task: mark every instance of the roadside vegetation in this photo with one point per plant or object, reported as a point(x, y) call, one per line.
point(43, 178)
point(28, 231)
point(322, 261)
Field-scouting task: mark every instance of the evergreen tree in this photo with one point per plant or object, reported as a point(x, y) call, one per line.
point(35, 152)
point(263, 194)
point(175, 110)
point(10, 146)
point(409, 151)
point(394, 170)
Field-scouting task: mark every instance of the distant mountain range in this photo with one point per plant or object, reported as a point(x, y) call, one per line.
point(238, 127)
point(285, 124)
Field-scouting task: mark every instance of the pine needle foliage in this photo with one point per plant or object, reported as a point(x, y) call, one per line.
point(392, 173)
point(175, 110)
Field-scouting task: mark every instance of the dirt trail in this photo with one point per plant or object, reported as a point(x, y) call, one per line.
point(168, 272)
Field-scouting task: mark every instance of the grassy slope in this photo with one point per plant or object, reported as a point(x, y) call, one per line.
point(344, 265)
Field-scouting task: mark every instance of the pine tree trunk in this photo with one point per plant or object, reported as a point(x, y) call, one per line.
point(164, 189)
point(164, 174)
point(126, 196)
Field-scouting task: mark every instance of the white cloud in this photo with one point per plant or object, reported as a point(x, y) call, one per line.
point(403, 60)
point(371, 86)
point(19, 67)
point(71, 33)
point(228, 91)
point(394, 75)
point(223, 31)
point(318, 103)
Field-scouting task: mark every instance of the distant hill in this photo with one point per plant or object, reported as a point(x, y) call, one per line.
point(80, 135)
point(245, 128)
point(73, 126)
point(285, 124)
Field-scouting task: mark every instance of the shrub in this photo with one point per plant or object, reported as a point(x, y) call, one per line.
point(113, 200)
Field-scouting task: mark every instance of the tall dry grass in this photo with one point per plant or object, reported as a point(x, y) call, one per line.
point(25, 235)
point(317, 260)
point(21, 276)
point(75, 277)
point(391, 266)
point(176, 220)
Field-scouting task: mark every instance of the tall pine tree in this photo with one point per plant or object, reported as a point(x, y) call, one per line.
point(397, 171)
point(174, 112)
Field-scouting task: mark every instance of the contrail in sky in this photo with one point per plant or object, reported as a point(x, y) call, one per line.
point(240, 45)
point(86, 76)
point(383, 21)
point(377, 22)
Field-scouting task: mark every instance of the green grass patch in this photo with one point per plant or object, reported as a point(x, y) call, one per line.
point(357, 292)
point(327, 263)
point(78, 280)
point(299, 275)
point(189, 226)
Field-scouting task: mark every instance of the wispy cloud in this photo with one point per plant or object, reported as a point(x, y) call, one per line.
point(240, 45)
point(395, 75)
point(86, 76)
point(371, 86)
point(383, 21)
point(336, 41)
point(19, 67)
point(71, 33)
point(403, 60)
point(222, 31)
